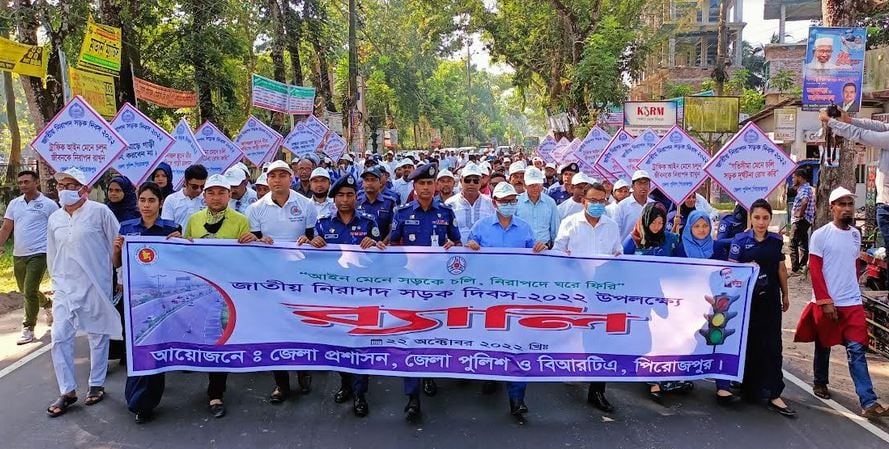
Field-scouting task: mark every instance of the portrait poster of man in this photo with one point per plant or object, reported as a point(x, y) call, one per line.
point(834, 68)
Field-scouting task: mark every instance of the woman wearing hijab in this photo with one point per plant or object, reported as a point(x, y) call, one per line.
point(163, 177)
point(122, 199)
point(649, 237)
point(697, 243)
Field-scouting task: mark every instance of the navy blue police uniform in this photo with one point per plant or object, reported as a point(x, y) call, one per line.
point(559, 192)
point(382, 208)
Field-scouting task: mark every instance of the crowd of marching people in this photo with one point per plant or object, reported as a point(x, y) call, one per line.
point(482, 199)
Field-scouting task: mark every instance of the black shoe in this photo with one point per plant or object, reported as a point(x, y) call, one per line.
point(727, 400)
point(784, 411)
point(143, 417)
point(518, 409)
point(597, 399)
point(359, 407)
point(412, 409)
point(342, 395)
point(429, 387)
point(218, 410)
point(656, 396)
point(489, 387)
point(278, 396)
point(305, 381)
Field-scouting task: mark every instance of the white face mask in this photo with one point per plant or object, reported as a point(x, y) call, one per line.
point(69, 197)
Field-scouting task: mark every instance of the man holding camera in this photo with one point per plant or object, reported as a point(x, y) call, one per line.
point(871, 133)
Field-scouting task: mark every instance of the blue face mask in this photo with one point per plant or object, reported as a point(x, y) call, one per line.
point(507, 210)
point(595, 210)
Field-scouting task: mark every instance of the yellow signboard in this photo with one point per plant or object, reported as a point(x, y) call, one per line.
point(711, 114)
point(96, 89)
point(23, 59)
point(101, 48)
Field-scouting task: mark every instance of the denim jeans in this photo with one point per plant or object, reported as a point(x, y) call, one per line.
point(883, 221)
point(516, 390)
point(855, 352)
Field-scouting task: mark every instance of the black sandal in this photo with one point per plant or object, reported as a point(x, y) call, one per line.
point(61, 404)
point(95, 396)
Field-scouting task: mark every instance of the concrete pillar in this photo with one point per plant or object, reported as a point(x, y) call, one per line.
point(671, 53)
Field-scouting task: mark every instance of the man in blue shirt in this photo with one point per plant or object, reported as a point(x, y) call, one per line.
point(373, 201)
point(802, 217)
point(505, 230)
point(422, 222)
point(348, 227)
point(538, 209)
point(560, 192)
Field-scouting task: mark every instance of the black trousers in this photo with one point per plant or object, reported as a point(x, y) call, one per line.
point(216, 386)
point(143, 393)
point(763, 378)
point(799, 244)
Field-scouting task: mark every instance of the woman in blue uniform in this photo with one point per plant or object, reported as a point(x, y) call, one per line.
point(763, 378)
point(143, 393)
point(348, 227)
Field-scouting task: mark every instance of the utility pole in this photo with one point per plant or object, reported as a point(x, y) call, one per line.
point(469, 88)
point(719, 72)
point(352, 99)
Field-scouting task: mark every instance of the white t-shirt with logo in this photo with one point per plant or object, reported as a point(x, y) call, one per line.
point(839, 250)
point(282, 224)
point(29, 224)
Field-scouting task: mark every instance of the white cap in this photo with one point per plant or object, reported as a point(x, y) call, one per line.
point(581, 178)
point(235, 176)
point(346, 157)
point(279, 165)
point(551, 165)
point(242, 166)
point(824, 41)
point(533, 175)
point(640, 174)
point(536, 158)
point(503, 190)
point(217, 180)
point(73, 173)
point(320, 173)
point(840, 192)
point(262, 180)
point(404, 162)
point(470, 170)
point(516, 167)
point(445, 174)
point(621, 183)
point(485, 168)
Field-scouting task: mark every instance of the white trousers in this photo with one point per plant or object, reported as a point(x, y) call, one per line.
point(63, 333)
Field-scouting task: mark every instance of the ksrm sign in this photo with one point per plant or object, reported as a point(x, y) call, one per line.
point(650, 114)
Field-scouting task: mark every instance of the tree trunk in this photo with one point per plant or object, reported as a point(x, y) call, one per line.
point(292, 25)
point(314, 17)
point(837, 13)
point(201, 18)
point(279, 70)
point(110, 14)
point(15, 134)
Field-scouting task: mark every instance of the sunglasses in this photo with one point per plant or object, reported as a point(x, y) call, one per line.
point(472, 180)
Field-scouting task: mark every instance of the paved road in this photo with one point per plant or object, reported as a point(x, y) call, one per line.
point(460, 416)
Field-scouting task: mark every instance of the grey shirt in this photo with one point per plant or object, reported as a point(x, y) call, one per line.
point(871, 133)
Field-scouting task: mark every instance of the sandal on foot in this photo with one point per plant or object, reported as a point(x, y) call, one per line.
point(60, 405)
point(278, 396)
point(95, 396)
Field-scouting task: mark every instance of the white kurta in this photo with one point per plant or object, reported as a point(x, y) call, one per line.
point(78, 255)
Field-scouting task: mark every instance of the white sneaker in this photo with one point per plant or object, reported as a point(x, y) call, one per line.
point(47, 315)
point(27, 337)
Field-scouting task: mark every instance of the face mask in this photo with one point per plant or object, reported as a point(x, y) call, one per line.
point(507, 210)
point(595, 210)
point(69, 197)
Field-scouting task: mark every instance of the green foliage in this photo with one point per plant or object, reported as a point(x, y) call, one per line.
point(752, 101)
point(783, 81)
point(678, 90)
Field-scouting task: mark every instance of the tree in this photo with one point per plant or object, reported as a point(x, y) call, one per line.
point(15, 144)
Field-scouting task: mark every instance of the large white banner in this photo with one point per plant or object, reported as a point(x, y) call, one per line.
point(502, 314)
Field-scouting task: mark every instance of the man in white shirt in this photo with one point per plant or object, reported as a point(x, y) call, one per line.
point(242, 196)
point(836, 316)
point(573, 205)
point(591, 233)
point(79, 243)
point(629, 210)
point(283, 215)
point(180, 205)
point(26, 219)
point(470, 205)
point(620, 191)
point(319, 185)
point(401, 185)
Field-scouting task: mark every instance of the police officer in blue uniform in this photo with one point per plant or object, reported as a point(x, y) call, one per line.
point(733, 224)
point(348, 227)
point(423, 222)
point(387, 189)
point(558, 192)
point(373, 201)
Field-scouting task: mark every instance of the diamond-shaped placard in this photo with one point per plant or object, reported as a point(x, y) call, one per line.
point(184, 152)
point(302, 141)
point(335, 147)
point(561, 150)
point(79, 137)
point(676, 164)
point(546, 148)
point(568, 156)
point(750, 166)
point(148, 143)
point(590, 149)
point(316, 127)
point(632, 154)
point(258, 141)
point(220, 152)
point(607, 162)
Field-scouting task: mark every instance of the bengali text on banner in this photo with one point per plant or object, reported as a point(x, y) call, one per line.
point(497, 314)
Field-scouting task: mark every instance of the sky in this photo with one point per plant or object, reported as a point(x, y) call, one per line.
point(757, 32)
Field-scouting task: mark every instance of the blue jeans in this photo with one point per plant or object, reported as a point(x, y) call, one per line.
point(855, 353)
point(516, 390)
point(883, 221)
point(722, 384)
point(412, 386)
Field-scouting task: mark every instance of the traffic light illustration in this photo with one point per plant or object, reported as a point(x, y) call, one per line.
point(715, 332)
